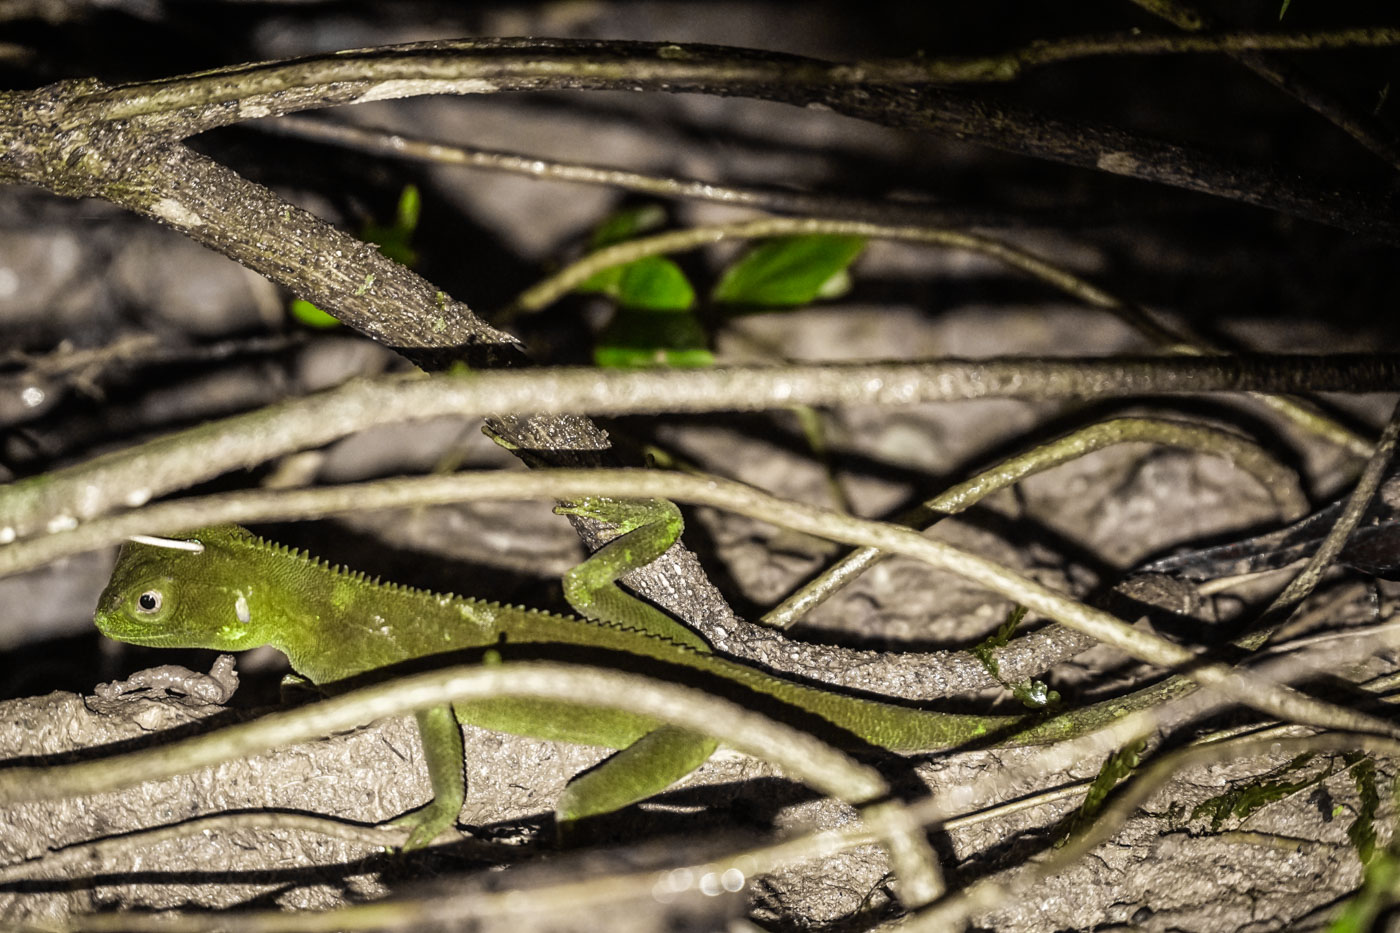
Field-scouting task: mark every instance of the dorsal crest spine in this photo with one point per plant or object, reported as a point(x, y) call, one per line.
point(361, 578)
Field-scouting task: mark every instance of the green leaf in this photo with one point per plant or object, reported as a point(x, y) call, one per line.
point(653, 325)
point(788, 271)
point(1382, 869)
point(393, 240)
point(605, 282)
point(310, 315)
point(626, 224)
point(651, 282)
point(1283, 9)
point(655, 284)
point(410, 206)
point(626, 358)
point(836, 286)
point(637, 338)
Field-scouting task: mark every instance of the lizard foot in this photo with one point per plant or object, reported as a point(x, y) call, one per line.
point(425, 824)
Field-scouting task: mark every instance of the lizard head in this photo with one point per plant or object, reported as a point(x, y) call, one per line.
point(186, 592)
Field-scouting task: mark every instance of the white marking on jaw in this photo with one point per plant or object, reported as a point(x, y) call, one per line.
point(172, 543)
point(241, 610)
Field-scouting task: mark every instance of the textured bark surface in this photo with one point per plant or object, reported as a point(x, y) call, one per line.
point(157, 300)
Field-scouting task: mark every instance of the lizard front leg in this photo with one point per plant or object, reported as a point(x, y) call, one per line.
point(646, 529)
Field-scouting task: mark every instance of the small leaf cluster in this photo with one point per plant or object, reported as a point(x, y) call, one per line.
point(1035, 694)
point(1242, 801)
point(656, 323)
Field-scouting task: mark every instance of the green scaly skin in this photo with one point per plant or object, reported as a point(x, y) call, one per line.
point(242, 592)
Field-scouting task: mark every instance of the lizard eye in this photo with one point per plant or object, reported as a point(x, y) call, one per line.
point(148, 601)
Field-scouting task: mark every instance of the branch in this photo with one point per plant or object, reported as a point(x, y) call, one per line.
point(1280, 483)
point(800, 754)
point(1240, 685)
point(368, 291)
point(59, 499)
point(1176, 340)
point(951, 913)
point(66, 134)
point(780, 200)
point(1360, 126)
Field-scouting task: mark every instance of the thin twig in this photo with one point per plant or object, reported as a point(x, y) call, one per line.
point(983, 895)
point(61, 498)
point(737, 868)
point(778, 200)
point(1280, 483)
point(1359, 125)
point(798, 753)
point(1367, 485)
point(1175, 340)
point(76, 137)
point(1238, 684)
point(373, 838)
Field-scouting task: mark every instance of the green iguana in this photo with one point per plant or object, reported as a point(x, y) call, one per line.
point(225, 588)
